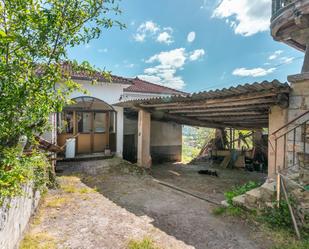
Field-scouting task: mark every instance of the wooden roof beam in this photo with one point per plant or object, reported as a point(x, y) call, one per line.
point(225, 119)
point(218, 109)
point(263, 101)
point(225, 114)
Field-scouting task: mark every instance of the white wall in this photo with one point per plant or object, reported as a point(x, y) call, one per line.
point(108, 92)
point(119, 132)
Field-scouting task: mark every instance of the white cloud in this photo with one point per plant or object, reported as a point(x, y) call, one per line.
point(165, 37)
point(249, 16)
point(154, 31)
point(287, 60)
point(275, 55)
point(254, 72)
point(102, 50)
point(139, 37)
point(87, 46)
point(196, 54)
point(209, 4)
point(167, 65)
point(173, 58)
point(191, 36)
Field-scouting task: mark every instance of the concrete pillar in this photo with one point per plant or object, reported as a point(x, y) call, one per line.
point(143, 140)
point(119, 131)
point(277, 119)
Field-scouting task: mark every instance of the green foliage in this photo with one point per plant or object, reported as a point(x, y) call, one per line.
point(277, 217)
point(219, 210)
point(189, 153)
point(16, 170)
point(34, 37)
point(146, 243)
point(193, 141)
point(239, 190)
point(293, 245)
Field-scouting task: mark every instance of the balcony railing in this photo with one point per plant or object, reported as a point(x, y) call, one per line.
point(278, 6)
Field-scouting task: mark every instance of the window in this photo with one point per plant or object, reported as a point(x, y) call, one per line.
point(84, 122)
point(99, 123)
point(65, 122)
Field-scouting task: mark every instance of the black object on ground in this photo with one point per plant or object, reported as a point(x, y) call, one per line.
point(208, 172)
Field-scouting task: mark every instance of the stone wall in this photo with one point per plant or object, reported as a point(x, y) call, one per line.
point(15, 215)
point(299, 103)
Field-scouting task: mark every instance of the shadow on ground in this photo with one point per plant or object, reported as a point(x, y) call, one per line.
point(180, 215)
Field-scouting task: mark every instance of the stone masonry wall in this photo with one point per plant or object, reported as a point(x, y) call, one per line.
point(299, 103)
point(15, 215)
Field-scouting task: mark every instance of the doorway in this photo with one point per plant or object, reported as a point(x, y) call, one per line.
point(92, 120)
point(92, 128)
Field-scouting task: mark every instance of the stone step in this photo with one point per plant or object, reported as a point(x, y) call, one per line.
point(252, 198)
point(239, 201)
point(268, 191)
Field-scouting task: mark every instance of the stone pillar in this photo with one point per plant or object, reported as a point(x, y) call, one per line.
point(143, 142)
point(299, 104)
point(119, 131)
point(277, 119)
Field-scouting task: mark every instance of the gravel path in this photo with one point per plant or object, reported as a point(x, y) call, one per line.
point(129, 204)
point(77, 217)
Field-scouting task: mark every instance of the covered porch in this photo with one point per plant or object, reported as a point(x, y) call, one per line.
point(254, 107)
point(92, 122)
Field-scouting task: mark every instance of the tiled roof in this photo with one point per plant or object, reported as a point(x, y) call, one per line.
point(142, 86)
point(83, 75)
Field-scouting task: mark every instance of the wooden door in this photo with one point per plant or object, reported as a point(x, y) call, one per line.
point(84, 121)
point(100, 131)
point(93, 129)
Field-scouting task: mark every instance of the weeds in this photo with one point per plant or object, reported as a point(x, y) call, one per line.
point(146, 243)
point(38, 241)
point(240, 190)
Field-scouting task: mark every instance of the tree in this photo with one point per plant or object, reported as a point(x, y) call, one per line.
point(34, 37)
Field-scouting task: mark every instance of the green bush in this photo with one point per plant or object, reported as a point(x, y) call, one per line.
point(277, 217)
point(239, 190)
point(16, 170)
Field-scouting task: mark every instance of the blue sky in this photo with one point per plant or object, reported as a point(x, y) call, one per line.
point(229, 44)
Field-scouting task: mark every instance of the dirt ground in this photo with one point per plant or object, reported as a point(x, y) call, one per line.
point(129, 204)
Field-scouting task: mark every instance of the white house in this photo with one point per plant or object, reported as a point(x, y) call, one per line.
point(101, 125)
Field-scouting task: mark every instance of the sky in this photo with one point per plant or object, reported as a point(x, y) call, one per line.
point(193, 45)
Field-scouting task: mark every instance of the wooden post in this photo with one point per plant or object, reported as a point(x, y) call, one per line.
point(143, 146)
point(107, 129)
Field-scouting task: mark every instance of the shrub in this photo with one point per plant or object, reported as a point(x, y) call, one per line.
point(16, 170)
point(277, 217)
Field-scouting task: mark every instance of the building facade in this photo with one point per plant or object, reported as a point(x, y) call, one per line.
point(99, 125)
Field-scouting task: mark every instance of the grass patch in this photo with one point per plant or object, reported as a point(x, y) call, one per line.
point(230, 210)
point(293, 245)
point(69, 184)
point(145, 243)
point(275, 222)
point(240, 190)
point(56, 202)
point(38, 241)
